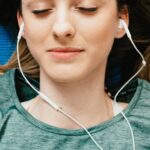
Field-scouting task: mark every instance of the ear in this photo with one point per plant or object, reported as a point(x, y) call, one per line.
point(122, 14)
point(20, 21)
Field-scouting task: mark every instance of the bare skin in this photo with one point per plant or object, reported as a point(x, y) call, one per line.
point(75, 84)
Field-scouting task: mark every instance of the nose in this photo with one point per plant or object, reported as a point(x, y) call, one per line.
point(63, 28)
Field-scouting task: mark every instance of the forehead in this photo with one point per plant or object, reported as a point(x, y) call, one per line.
point(30, 3)
point(35, 1)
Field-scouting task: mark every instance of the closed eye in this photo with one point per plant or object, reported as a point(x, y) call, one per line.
point(91, 9)
point(42, 11)
point(84, 9)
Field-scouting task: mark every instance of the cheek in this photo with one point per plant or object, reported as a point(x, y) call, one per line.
point(36, 31)
point(99, 35)
point(35, 35)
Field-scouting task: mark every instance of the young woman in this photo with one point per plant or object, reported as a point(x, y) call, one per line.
point(66, 43)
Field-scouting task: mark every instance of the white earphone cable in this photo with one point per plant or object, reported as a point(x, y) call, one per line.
point(123, 24)
point(57, 108)
point(49, 101)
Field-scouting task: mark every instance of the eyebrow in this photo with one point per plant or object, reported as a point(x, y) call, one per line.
point(32, 2)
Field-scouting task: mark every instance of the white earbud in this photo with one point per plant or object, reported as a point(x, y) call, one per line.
point(122, 24)
point(21, 31)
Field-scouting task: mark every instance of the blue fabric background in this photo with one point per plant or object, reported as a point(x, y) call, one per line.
point(7, 43)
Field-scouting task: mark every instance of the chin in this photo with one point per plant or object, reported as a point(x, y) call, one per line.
point(66, 77)
point(63, 76)
point(66, 73)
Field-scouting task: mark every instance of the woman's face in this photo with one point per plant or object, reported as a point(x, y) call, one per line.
point(70, 39)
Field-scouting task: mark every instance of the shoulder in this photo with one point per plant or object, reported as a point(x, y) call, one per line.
point(5, 82)
point(140, 111)
point(145, 89)
point(5, 92)
point(142, 99)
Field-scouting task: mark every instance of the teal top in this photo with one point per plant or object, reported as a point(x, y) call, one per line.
point(19, 130)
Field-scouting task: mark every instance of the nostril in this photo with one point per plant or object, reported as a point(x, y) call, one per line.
point(68, 35)
point(63, 32)
point(62, 35)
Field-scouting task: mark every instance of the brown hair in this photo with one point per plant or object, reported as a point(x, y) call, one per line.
point(28, 63)
point(30, 66)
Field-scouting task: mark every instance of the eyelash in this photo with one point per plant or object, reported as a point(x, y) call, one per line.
point(92, 9)
point(42, 11)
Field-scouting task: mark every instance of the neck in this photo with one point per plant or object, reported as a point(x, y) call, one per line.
point(83, 100)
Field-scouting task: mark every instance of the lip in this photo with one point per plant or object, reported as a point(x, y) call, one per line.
point(65, 50)
point(65, 53)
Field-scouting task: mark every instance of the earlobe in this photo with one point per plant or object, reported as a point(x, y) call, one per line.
point(19, 18)
point(123, 15)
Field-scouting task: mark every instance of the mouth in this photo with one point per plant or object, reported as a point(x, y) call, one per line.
point(65, 53)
